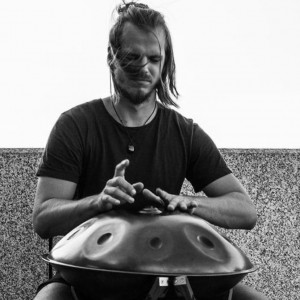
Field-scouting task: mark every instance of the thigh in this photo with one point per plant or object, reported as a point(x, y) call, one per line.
point(244, 292)
point(55, 291)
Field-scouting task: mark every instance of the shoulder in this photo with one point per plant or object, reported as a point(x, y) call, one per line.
point(175, 118)
point(87, 109)
point(82, 115)
point(79, 119)
point(173, 115)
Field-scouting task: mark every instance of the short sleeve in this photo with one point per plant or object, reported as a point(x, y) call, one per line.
point(206, 163)
point(62, 157)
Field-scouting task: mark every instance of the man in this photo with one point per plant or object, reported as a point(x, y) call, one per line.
point(129, 148)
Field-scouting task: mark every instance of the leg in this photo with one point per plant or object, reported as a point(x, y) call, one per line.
point(55, 291)
point(243, 292)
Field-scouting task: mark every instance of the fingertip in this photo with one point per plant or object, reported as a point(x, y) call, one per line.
point(123, 163)
point(126, 162)
point(145, 192)
point(171, 207)
point(159, 191)
point(131, 200)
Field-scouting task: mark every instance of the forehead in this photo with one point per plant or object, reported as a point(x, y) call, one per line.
point(138, 40)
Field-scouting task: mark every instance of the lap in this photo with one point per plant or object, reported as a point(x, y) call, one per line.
point(61, 291)
point(244, 292)
point(55, 291)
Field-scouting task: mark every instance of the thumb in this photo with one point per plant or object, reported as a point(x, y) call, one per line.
point(164, 195)
point(138, 186)
point(152, 198)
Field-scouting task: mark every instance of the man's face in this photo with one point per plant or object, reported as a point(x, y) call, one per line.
point(137, 76)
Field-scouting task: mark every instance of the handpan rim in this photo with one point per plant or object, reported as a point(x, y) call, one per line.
point(58, 264)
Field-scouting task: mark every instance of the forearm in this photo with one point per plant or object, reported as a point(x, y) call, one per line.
point(59, 216)
point(233, 210)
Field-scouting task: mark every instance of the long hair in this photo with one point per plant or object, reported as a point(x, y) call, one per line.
point(146, 19)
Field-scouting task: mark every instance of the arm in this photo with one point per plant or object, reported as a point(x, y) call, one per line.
point(55, 213)
point(228, 205)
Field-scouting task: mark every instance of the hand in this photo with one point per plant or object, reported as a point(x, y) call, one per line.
point(176, 201)
point(153, 199)
point(117, 190)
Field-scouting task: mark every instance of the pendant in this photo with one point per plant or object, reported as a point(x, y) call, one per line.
point(130, 148)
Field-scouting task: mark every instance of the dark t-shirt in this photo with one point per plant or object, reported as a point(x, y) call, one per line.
point(86, 144)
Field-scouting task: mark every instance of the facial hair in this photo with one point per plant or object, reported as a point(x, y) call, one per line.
point(135, 98)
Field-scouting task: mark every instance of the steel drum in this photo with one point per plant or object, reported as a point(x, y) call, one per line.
point(120, 254)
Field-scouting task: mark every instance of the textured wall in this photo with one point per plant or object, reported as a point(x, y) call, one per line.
point(270, 176)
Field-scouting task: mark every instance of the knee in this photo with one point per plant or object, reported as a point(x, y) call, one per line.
point(55, 291)
point(243, 292)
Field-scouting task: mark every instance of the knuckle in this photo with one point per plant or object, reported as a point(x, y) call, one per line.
point(118, 179)
point(109, 182)
point(104, 198)
point(106, 190)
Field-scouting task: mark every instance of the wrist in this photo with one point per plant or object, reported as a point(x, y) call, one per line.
point(99, 205)
point(95, 204)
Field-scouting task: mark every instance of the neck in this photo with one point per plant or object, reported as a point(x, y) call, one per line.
point(133, 115)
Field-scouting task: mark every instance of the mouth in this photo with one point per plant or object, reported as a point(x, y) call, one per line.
point(141, 81)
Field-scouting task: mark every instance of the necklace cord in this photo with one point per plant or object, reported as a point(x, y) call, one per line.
point(113, 105)
point(131, 144)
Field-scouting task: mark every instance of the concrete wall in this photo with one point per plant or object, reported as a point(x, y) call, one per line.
point(270, 176)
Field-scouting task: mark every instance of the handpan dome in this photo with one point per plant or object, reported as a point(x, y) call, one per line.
point(124, 245)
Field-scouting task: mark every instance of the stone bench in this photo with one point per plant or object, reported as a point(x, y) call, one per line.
point(271, 177)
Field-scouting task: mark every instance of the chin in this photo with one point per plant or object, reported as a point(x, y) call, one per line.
point(136, 96)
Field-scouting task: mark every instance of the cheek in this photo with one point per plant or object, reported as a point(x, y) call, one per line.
point(156, 70)
point(119, 75)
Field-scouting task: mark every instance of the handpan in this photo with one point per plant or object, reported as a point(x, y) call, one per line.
point(119, 255)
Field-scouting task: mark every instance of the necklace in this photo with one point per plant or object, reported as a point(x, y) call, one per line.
point(130, 147)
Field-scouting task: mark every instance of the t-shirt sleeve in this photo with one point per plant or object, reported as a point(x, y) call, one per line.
point(206, 162)
point(62, 157)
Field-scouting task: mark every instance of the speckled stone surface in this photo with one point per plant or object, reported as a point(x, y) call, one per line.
point(271, 177)
point(21, 266)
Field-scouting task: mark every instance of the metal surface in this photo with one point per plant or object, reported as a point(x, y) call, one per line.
point(120, 255)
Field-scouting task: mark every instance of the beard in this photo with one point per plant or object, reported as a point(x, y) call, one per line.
point(135, 97)
point(122, 85)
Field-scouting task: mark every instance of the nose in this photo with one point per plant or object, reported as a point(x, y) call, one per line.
point(144, 65)
point(144, 62)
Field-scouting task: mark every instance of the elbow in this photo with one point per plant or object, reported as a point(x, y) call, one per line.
point(38, 226)
point(250, 219)
point(249, 214)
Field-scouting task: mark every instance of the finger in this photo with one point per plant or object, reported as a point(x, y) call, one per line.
point(193, 204)
point(122, 184)
point(117, 193)
point(170, 200)
point(138, 187)
point(173, 204)
point(121, 167)
point(106, 200)
point(166, 197)
point(156, 200)
point(182, 206)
